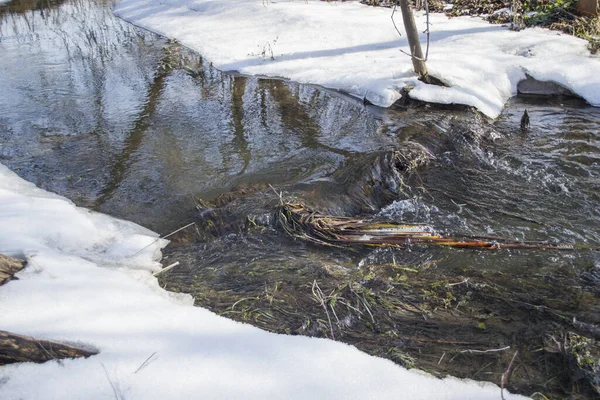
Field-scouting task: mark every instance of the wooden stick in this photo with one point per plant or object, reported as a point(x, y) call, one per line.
point(504, 378)
point(167, 268)
point(17, 348)
point(164, 237)
point(485, 351)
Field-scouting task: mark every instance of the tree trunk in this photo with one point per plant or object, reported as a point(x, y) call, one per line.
point(16, 348)
point(413, 39)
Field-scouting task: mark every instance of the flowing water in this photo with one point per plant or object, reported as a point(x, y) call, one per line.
point(124, 122)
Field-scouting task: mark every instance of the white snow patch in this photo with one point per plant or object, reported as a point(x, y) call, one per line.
point(83, 286)
point(355, 48)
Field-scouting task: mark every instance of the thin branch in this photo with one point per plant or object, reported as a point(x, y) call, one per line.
point(427, 30)
point(441, 358)
point(318, 293)
point(167, 268)
point(115, 391)
point(485, 351)
point(144, 363)
point(506, 373)
point(279, 194)
point(410, 55)
point(30, 260)
point(466, 280)
point(163, 237)
point(394, 22)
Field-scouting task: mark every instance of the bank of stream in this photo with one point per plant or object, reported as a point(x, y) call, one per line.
point(130, 124)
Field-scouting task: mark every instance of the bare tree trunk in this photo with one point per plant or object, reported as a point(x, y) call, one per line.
point(413, 39)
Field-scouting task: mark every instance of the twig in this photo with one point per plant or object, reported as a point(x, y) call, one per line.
point(167, 268)
point(366, 307)
point(466, 280)
point(30, 260)
point(318, 293)
point(394, 22)
point(279, 194)
point(144, 363)
point(533, 395)
point(352, 307)
point(115, 391)
point(506, 373)
point(481, 369)
point(441, 358)
point(242, 299)
point(485, 351)
point(427, 30)
point(163, 237)
point(410, 55)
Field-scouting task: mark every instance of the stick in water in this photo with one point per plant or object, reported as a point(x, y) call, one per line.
point(165, 269)
point(505, 375)
point(164, 237)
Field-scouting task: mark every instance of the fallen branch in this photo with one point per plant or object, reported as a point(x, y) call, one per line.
point(17, 348)
point(302, 222)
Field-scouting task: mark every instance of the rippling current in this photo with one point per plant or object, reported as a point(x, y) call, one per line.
point(127, 123)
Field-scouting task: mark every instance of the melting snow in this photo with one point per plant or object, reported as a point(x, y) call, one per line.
point(355, 48)
point(86, 285)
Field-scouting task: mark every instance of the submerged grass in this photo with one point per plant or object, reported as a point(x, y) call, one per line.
point(412, 314)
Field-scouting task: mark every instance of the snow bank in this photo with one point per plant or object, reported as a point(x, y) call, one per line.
point(355, 48)
point(83, 286)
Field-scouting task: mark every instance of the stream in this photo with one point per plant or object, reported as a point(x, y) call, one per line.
point(128, 123)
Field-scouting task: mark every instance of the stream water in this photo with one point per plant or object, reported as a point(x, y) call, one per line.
point(128, 123)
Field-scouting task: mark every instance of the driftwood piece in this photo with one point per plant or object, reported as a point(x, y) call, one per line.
point(16, 348)
point(8, 267)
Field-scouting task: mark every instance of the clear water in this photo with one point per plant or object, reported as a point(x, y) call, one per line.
point(125, 122)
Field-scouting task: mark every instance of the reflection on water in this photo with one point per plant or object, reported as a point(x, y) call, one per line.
point(122, 121)
point(126, 122)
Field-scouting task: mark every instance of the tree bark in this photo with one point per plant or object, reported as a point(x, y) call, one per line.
point(413, 39)
point(16, 348)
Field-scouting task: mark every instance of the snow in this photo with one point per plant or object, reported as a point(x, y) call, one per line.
point(87, 284)
point(355, 48)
